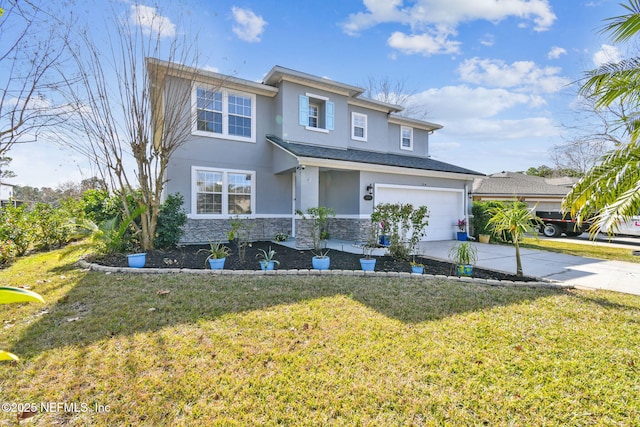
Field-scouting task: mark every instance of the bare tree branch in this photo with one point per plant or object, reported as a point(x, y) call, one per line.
point(33, 45)
point(125, 127)
point(394, 92)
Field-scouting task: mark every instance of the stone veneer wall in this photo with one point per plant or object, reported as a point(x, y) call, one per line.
point(197, 231)
point(351, 229)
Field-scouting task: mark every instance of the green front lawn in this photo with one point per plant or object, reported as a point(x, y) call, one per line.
point(203, 350)
point(588, 250)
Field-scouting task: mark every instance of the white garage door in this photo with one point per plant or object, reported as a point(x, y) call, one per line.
point(445, 206)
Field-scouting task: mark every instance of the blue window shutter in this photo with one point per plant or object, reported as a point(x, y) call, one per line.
point(329, 117)
point(304, 110)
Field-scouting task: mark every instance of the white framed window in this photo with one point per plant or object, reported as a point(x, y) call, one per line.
point(406, 138)
point(359, 126)
point(316, 113)
point(313, 115)
point(217, 193)
point(224, 113)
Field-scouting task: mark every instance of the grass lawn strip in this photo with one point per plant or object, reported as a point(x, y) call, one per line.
point(304, 350)
point(581, 249)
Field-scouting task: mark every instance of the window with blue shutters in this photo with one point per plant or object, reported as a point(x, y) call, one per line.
point(316, 112)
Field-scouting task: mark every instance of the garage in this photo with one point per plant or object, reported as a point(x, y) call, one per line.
point(446, 205)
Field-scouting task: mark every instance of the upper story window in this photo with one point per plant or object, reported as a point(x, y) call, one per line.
point(359, 126)
point(316, 112)
point(225, 114)
point(313, 115)
point(222, 192)
point(406, 138)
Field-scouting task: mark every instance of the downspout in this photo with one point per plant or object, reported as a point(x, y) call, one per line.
point(467, 214)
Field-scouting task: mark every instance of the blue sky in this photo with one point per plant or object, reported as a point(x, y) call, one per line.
point(497, 74)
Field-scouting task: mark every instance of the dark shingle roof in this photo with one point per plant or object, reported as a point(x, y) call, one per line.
point(370, 157)
point(511, 183)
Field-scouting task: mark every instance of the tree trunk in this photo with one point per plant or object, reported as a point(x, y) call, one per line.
point(519, 272)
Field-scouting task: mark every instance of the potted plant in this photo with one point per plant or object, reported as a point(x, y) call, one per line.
point(484, 238)
point(320, 260)
point(217, 255)
point(384, 239)
point(462, 227)
point(137, 260)
point(368, 263)
point(416, 267)
point(266, 259)
point(319, 217)
point(464, 255)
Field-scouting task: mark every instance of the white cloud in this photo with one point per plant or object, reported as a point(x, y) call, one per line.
point(462, 102)
point(556, 52)
point(424, 44)
point(606, 55)
point(378, 11)
point(512, 129)
point(148, 19)
point(248, 26)
point(525, 75)
point(434, 20)
point(487, 40)
point(485, 114)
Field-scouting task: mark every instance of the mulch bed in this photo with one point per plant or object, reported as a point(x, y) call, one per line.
point(191, 256)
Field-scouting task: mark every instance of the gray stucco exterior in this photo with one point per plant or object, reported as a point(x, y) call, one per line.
point(287, 165)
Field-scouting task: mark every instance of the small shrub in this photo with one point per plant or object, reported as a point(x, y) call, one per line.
point(15, 227)
point(240, 235)
point(320, 225)
point(171, 220)
point(51, 226)
point(8, 252)
point(280, 237)
point(99, 205)
point(398, 220)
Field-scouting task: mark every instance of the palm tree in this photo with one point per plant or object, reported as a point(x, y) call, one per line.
point(516, 220)
point(610, 191)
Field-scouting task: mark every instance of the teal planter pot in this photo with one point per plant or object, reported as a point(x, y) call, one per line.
point(137, 260)
point(320, 263)
point(217, 264)
point(367, 264)
point(266, 265)
point(417, 269)
point(465, 270)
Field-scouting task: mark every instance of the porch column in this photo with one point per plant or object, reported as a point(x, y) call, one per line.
point(307, 196)
point(307, 188)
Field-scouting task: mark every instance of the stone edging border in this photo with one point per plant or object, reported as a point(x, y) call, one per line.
point(541, 283)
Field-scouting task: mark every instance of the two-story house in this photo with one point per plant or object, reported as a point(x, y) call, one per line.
point(263, 151)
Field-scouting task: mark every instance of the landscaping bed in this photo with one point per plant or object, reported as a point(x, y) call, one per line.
point(194, 257)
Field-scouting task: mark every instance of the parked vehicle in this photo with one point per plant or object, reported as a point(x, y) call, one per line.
point(630, 227)
point(554, 224)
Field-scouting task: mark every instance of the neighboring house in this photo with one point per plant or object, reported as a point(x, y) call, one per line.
point(546, 193)
point(6, 194)
point(263, 151)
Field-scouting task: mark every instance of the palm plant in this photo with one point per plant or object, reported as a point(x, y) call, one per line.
point(516, 220)
point(611, 190)
point(105, 238)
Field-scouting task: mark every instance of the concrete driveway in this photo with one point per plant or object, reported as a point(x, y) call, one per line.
point(574, 270)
